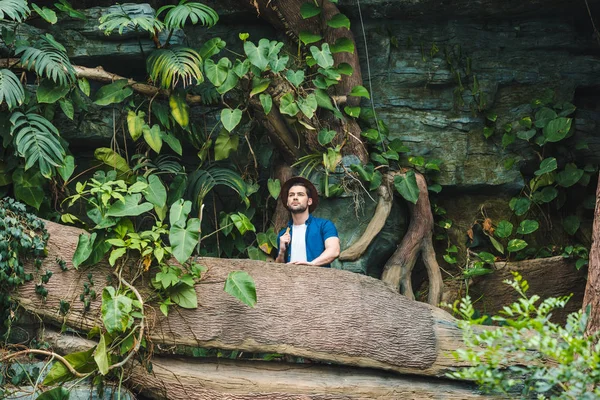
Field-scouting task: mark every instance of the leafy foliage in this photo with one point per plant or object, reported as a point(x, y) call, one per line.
point(169, 66)
point(129, 17)
point(177, 15)
point(49, 59)
point(11, 90)
point(16, 10)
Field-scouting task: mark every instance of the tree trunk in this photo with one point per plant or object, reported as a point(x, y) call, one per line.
point(592, 289)
point(323, 314)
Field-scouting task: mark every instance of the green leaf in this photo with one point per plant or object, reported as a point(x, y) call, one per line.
point(295, 77)
point(258, 56)
point(308, 105)
point(352, 111)
point(178, 15)
point(230, 118)
point(266, 102)
point(344, 69)
point(526, 135)
point(82, 362)
point(84, 86)
point(322, 56)
point(242, 223)
point(477, 270)
point(230, 82)
point(28, 187)
point(487, 258)
point(179, 108)
point(241, 286)
point(112, 159)
point(66, 170)
point(274, 186)
point(225, 144)
point(129, 206)
point(309, 9)
point(85, 245)
point(217, 72)
point(504, 229)
point(343, 45)
point(528, 226)
point(287, 105)
point(11, 90)
point(339, 21)
point(326, 136)
point(497, 245)
point(101, 356)
point(153, 137)
point(308, 37)
point(48, 59)
point(179, 212)
point(172, 142)
point(50, 92)
point(569, 176)
point(184, 296)
point(261, 86)
point(184, 239)
point(47, 14)
point(116, 309)
point(241, 68)
point(488, 131)
point(516, 245)
point(57, 393)
point(543, 116)
point(407, 186)
point(546, 195)
point(546, 166)
point(155, 192)
point(557, 129)
point(170, 66)
point(112, 93)
point(580, 263)
point(360, 91)
point(323, 100)
point(520, 205)
point(507, 139)
point(279, 64)
point(67, 107)
point(571, 224)
point(212, 47)
point(135, 123)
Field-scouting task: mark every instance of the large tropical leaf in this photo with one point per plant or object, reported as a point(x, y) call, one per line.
point(16, 10)
point(11, 89)
point(49, 59)
point(168, 66)
point(36, 140)
point(201, 182)
point(130, 17)
point(196, 12)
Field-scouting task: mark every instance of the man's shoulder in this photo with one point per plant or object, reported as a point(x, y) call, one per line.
point(320, 221)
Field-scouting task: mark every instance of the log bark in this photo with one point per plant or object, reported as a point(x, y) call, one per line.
point(323, 314)
point(592, 289)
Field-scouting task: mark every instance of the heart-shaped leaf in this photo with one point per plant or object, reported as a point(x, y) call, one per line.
point(287, 105)
point(308, 105)
point(274, 186)
point(231, 118)
point(295, 77)
point(547, 165)
point(326, 136)
point(407, 186)
point(504, 229)
point(360, 91)
point(339, 21)
point(225, 144)
point(217, 72)
point(266, 102)
point(112, 93)
point(322, 56)
point(309, 9)
point(179, 108)
point(241, 286)
point(308, 37)
point(528, 226)
point(152, 136)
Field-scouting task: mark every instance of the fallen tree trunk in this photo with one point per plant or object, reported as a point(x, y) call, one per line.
point(323, 314)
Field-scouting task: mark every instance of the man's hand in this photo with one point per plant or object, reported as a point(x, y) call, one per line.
point(284, 242)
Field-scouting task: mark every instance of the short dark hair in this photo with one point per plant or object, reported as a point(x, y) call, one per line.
point(304, 185)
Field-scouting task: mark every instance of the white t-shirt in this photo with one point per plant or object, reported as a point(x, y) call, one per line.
point(298, 243)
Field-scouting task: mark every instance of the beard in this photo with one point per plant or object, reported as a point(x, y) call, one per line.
point(298, 209)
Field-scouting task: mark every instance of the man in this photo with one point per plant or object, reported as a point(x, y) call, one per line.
point(307, 240)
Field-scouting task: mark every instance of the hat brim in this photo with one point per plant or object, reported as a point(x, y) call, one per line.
point(285, 189)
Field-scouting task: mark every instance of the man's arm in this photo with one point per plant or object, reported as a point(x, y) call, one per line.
point(331, 252)
point(283, 242)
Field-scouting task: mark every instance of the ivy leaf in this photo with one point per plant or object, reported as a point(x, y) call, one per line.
point(343, 45)
point(112, 93)
point(557, 129)
point(504, 229)
point(407, 186)
point(230, 82)
point(308, 105)
point(546, 195)
point(129, 206)
point(497, 245)
point(323, 100)
point(516, 245)
point(225, 144)
point(50, 92)
point(153, 137)
point(241, 68)
point(274, 186)
point(242, 223)
point(345, 69)
point(352, 111)
point(211, 48)
point(526, 135)
point(279, 64)
point(519, 205)
point(85, 245)
point(266, 102)
point(339, 21)
point(217, 72)
point(322, 56)
point(287, 105)
point(231, 118)
point(115, 310)
point(179, 108)
point(326, 136)
point(241, 286)
point(295, 77)
point(101, 356)
point(543, 116)
point(571, 224)
point(309, 9)
point(487, 258)
point(260, 87)
point(528, 226)
point(546, 166)
point(184, 296)
point(184, 239)
point(360, 91)
point(258, 56)
point(308, 37)
point(569, 176)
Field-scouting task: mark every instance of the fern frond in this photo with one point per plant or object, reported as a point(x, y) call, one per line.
point(11, 89)
point(130, 17)
point(36, 140)
point(196, 12)
point(167, 67)
point(201, 182)
point(49, 59)
point(17, 10)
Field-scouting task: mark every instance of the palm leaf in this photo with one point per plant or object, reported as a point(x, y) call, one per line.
point(168, 66)
point(130, 17)
point(11, 89)
point(196, 12)
point(49, 59)
point(17, 10)
point(36, 140)
point(204, 180)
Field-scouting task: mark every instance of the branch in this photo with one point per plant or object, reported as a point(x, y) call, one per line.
point(46, 353)
point(100, 75)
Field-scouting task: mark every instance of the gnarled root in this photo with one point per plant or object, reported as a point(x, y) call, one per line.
point(418, 240)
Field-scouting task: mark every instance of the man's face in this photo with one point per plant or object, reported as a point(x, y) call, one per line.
point(298, 200)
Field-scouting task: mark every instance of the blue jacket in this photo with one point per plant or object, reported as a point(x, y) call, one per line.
point(317, 231)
